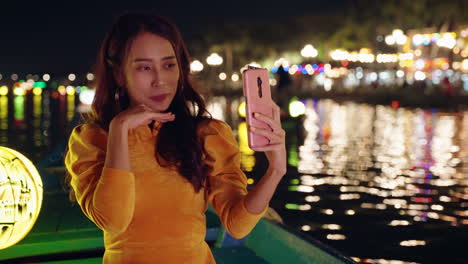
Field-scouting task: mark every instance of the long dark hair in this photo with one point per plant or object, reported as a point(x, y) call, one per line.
point(177, 143)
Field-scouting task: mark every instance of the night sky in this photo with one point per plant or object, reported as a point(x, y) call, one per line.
point(64, 37)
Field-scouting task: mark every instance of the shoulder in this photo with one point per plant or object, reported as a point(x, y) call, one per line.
point(218, 134)
point(213, 126)
point(89, 134)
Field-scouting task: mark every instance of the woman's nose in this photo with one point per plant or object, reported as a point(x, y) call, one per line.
point(157, 78)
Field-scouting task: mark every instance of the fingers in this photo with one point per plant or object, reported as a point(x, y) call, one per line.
point(269, 147)
point(161, 117)
point(276, 112)
point(274, 123)
point(272, 137)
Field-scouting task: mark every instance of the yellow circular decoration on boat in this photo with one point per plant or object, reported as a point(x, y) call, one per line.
point(21, 193)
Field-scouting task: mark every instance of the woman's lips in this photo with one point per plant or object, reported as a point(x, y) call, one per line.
point(159, 98)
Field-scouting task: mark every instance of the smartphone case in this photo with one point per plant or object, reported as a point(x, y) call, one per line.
point(257, 92)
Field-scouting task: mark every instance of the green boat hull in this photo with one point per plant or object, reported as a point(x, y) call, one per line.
point(63, 234)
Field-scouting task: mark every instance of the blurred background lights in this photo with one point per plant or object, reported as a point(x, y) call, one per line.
point(222, 76)
point(214, 59)
point(339, 54)
point(46, 77)
point(399, 37)
point(37, 91)
point(418, 39)
point(419, 76)
point(62, 90)
point(327, 84)
point(465, 65)
point(70, 90)
point(90, 76)
point(241, 110)
point(235, 77)
point(3, 90)
point(71, 77)
point(293, 69)
point(447, 41)
point(296, 108)
point(309, 51)
point(400, 74)
point(87, 96)
point(390, 40)
point(14, 77)
point(18, 91)
point(253, 64)
point(196, 66)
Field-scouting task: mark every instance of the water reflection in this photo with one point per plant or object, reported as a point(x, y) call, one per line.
point(404, 168)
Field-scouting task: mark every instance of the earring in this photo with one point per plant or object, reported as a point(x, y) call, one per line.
point(118, 92)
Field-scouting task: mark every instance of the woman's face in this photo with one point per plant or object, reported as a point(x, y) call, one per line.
point(151, 73)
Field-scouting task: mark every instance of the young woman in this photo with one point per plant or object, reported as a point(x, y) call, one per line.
point(149, 159)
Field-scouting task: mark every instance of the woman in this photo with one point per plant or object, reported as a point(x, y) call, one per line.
point(149, 159)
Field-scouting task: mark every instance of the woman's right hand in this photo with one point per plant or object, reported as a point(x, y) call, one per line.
point(140, 115)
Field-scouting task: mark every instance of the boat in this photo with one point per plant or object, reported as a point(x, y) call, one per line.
point(63, 235)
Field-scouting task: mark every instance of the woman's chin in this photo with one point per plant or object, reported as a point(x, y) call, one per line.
point(158, 108)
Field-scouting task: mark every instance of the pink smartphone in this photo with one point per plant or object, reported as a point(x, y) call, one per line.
point(257, 92)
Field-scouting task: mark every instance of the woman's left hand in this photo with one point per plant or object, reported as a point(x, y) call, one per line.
point(275, 151)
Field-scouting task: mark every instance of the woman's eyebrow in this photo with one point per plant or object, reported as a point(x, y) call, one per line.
point(150, 60)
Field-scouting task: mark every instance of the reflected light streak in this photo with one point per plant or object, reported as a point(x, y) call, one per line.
point(350, 196)
point(70, 107)
point(312, 199)
point(412, 243)
point(19, 107)
point(437, 207)
point(247, 154)
point(399, 223)
point(3, 113)
point(309, 161)
point(336, 237)
point(331, 227)
point(350, 212)
point(301, 188)
point(327, 211)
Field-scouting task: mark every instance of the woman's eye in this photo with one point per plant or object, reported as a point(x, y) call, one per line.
point(170, 65)
point(143, 68)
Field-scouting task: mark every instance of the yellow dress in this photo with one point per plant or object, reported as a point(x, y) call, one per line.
point(153, 214)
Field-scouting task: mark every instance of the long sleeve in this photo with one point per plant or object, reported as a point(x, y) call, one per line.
point(106, 195)
point(227, 182)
